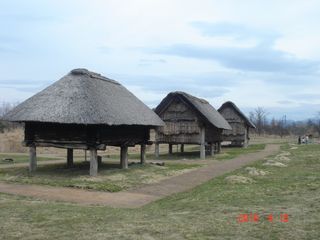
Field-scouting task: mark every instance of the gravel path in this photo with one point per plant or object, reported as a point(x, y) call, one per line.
point(140, 196)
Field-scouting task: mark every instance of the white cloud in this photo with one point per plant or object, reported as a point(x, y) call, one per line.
point(43, 40)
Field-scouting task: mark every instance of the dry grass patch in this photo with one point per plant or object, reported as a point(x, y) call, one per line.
point(274, 163)
point(238, 179)
point(255, 172)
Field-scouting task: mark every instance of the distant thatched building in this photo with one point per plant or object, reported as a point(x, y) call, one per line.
point(189, 120)
point(85, 110)
point(239, 135)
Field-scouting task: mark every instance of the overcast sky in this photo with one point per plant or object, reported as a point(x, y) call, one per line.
point(254, 53)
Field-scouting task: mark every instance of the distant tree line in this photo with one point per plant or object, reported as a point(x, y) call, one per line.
point(5, 107)
point(281, 126)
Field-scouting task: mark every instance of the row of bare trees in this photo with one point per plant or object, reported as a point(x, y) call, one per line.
point(281, 126)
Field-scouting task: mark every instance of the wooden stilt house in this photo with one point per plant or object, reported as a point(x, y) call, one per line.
point(239, 135)
point(85, 110)
point(189, 120)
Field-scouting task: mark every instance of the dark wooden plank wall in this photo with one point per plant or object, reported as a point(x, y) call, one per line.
point(213, 135)
point(84, 136)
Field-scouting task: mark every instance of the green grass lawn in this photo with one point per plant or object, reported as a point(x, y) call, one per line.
point(232, 152)
point(19, 158)
point(192, 153)
point(110, 177)
point(209, 211)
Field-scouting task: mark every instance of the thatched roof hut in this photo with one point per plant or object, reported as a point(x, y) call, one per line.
point(189, 120)
point(239, 135)
point(84, 110)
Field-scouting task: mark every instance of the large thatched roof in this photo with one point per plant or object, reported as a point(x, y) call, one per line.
point(84, 97)
point(230, 104)
point(201, 106)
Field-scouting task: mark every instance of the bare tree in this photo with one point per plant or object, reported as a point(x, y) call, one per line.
point(259, 118)
point(316, 123)
point(5, 107)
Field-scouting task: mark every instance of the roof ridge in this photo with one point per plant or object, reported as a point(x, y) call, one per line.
point(193, 97)
point(84, 71)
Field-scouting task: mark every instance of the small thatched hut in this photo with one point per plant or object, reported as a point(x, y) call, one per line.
point(84, 110)
point(189, 120)
point(239, 135)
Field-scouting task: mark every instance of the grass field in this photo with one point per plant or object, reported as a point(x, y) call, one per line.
point(191, 153)
point(19, 158)
point(209, 211)
point(110, 177)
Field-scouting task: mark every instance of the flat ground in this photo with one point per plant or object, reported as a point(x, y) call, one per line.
point(209, 211)
point(141, 195)
point(111, 178)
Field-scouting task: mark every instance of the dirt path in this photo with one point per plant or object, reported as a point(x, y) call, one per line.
point(143, 195)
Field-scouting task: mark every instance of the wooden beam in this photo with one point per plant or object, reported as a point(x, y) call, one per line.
point(124, 157)
point(202, 142)
point(69, 157)
point(32, 158)
point(143, 154)
point(170, 148)
point(182, 148)
point(93, 162)
point(157, 150)
point(63, 145)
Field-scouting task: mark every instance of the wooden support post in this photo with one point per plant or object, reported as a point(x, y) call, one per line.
point(93, 162)
point(170, 148)
point(69, 157)
point(202, 143)
point(211, 149)
point(32, 158)
point(124, 157)
point(245, 143)
point(182, 148)
point(143, 154)
point(157, 150)
point(218, 147)
point(85, 155)
point(246, 138)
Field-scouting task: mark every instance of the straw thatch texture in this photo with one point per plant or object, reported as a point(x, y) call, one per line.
point(239, 135)
point(84, 97)
point(232, 106)
point(201, 106)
